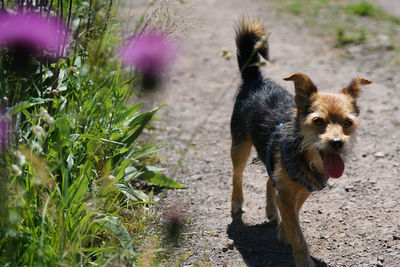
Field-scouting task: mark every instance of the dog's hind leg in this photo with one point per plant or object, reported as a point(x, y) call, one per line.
point(240, 152)
point(272, 210)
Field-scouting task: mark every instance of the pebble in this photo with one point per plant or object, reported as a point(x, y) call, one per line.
point(379, 155)
point(349, 188)
point(325, 237)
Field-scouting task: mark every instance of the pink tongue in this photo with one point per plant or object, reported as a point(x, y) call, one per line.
point(333, 165)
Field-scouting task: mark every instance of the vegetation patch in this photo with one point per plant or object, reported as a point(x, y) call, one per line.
point(344, 38)
point(345, 21)
point(76, 178)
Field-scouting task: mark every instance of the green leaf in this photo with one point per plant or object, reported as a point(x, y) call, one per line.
point(78, 189)
point(27, 104)
point(120, 170)
point(154, 169)
point(78, 62)
point(130, 173)
point(119, 230)
point(137, 125)
point(70, 161)
point(132, 194)
point(62, 124)
point(126, 114)
point(147, 152)
point(160, 179)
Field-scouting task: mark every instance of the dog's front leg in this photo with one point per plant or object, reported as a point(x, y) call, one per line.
point(272, 211)
point(288, 208)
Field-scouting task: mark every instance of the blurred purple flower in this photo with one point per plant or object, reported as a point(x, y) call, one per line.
point(149, 53)
point(30, 33)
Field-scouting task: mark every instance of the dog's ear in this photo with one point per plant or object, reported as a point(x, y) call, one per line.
point(304, 89)
point(354, 88)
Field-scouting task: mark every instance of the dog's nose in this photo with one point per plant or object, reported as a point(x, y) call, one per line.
point(336, 143)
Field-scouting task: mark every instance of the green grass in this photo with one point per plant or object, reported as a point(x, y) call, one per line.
point(345, 21)
point(343, 38)
point(364, 9)
point(368, 9)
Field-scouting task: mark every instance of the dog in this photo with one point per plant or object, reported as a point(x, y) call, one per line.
point(302, 139)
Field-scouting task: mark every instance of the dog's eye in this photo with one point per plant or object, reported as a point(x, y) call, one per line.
point(347, 123)
point(319, 122)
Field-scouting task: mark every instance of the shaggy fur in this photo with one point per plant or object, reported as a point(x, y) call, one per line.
point(316, 133)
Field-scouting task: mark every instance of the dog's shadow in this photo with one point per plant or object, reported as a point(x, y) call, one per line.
point(259, 246)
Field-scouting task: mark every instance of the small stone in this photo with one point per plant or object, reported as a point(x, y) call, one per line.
point(349, 188)
point(396, 237)
point(325, 237)
point(224, 249)
point(379, 155)
point(320, 211)
point(231, 246)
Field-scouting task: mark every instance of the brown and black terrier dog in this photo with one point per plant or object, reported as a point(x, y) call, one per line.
point(300, 139)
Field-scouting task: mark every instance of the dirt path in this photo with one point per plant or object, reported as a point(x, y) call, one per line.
point(355, 222)
point(391, 6)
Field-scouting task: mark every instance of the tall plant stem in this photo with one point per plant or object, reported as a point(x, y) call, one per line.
point(61, 16)
point(108, 15)
point(67, 29)
point(89, 21)
point(48, 11)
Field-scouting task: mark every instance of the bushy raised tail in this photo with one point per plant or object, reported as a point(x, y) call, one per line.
point(251, 41)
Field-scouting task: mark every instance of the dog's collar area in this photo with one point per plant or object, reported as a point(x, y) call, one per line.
point(291, 159)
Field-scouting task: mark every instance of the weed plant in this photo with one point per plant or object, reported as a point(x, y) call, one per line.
point(71, 152)
point(346, 21)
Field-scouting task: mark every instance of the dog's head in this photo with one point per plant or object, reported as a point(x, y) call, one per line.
point(327, 122)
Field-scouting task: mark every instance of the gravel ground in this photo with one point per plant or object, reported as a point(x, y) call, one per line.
point(391, 6)
point(354, 222)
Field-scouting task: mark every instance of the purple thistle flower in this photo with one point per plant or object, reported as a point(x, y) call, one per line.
point(149, 53)
point(30, 33)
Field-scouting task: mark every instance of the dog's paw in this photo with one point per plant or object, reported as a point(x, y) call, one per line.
point(236, 207)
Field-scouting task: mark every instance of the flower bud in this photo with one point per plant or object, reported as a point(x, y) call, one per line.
point(16, 169)
point(20, 158)
point(47, 118)
point(37, 131)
